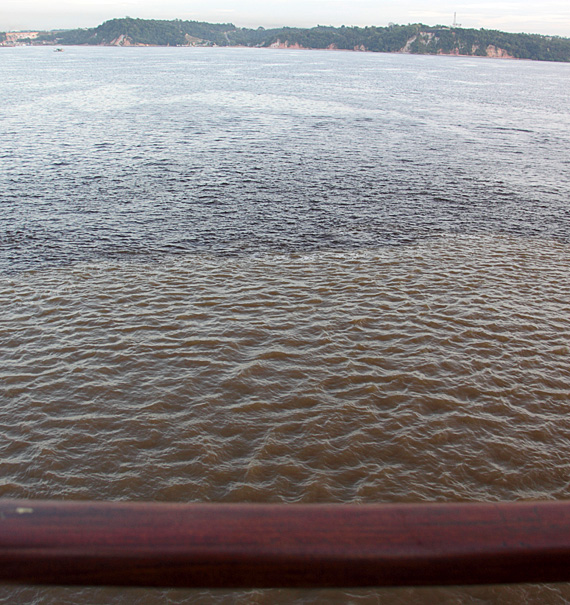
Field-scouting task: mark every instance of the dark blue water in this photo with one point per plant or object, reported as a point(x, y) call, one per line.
point(141, 153)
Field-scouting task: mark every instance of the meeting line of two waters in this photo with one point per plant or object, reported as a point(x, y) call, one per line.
point(233, 275)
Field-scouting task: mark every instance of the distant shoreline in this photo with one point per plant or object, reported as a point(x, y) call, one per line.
point(400, 39)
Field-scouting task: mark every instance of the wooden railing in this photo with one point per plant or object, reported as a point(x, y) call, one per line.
point(258, 545)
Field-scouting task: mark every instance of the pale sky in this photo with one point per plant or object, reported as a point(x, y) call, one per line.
point(545, 17)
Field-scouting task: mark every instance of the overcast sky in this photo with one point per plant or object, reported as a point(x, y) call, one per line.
point(545, 17)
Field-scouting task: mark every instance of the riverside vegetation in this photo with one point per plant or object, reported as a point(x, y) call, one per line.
point(414, 38)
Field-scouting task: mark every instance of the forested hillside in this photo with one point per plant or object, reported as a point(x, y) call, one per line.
point(416, 38)
point(145, 32)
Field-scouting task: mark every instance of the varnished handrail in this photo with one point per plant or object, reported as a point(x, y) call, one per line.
point(258, 545)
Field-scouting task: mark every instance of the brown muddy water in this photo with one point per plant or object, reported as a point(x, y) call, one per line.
point(430, 372)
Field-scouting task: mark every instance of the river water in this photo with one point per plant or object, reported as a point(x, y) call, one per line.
point(241, 275)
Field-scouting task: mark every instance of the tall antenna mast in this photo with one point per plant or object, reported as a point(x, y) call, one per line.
point(455, 24)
